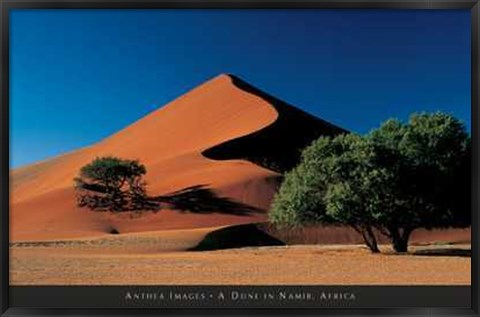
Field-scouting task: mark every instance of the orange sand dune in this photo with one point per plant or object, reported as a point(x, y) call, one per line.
point(170, 142)
point(219, 134)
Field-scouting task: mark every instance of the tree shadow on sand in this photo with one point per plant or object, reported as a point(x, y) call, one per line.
point(195, 199)
point(445, 252)
point(203, 200)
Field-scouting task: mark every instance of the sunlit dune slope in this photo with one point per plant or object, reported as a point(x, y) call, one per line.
point(170, 142)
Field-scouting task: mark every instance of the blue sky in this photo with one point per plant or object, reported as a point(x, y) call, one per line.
point(78, 76)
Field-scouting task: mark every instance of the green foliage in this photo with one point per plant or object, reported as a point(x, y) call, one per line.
point(302, 190)
point(111, 183)
point(429, 159)
point(395, 179)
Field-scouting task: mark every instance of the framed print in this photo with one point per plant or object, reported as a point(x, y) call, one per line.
point(239, 157)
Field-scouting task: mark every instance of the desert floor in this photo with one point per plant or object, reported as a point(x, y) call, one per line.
point(153, 259)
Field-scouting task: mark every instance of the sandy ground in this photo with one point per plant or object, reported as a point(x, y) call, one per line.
point(139, 259)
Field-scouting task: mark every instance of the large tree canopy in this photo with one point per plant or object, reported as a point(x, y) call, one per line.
point(395, 179)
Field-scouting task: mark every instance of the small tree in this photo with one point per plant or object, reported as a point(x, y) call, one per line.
point(396, 179)
point(111, 183)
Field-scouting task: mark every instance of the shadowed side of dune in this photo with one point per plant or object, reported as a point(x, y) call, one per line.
point(240, 236)
point(277, 146)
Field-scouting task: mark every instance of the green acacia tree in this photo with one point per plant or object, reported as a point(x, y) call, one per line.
point(396, 179)
point(111, 183)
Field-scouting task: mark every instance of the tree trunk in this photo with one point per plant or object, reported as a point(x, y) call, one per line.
point(400, 245)
point(400, 241)
point(373, 240)
point(368, 237)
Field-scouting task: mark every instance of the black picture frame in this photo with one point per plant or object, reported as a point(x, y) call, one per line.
point(6, 309)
